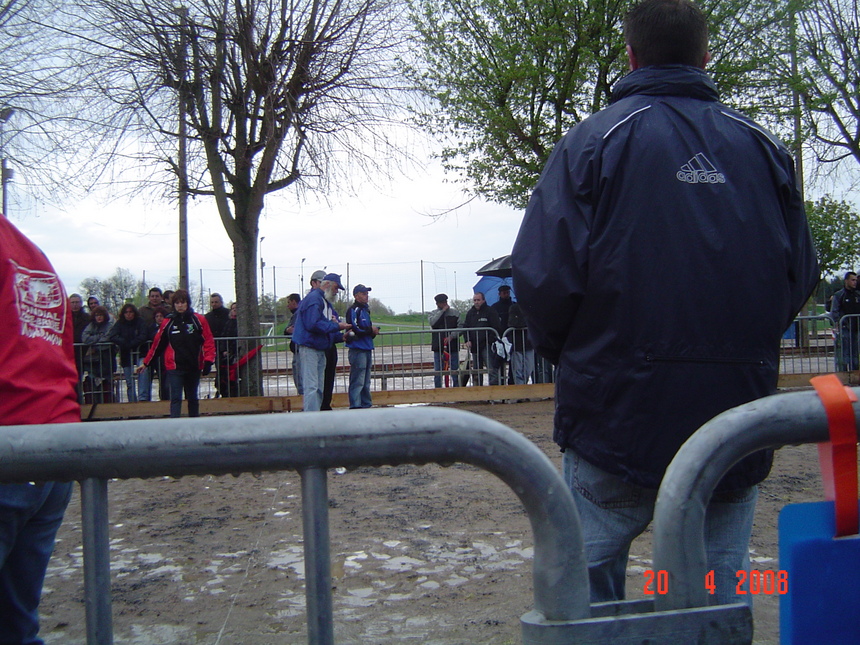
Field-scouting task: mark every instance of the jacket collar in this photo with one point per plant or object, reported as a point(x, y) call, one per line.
point(667, 80)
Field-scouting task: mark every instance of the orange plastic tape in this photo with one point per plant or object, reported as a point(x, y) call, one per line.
point(839, 456)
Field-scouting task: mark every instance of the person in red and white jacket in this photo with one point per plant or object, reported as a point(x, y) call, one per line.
point(189, 351)
point(37, 386)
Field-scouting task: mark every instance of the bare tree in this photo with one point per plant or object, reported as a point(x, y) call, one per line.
point(273, 93)
point(115, 291)
point(828, 37)
point(35, 91)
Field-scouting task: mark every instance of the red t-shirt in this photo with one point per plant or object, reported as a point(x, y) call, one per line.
point(37, 363)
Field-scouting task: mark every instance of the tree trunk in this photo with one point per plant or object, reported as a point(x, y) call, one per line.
point(245, 270)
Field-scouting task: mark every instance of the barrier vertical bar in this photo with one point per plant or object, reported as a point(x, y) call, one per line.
point(96, 542)
point(317, 555)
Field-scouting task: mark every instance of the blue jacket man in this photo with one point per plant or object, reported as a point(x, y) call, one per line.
point(359, 340)
point(317, 328)
point(662, 255)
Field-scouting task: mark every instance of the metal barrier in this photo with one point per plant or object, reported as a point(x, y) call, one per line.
point(263, 366)
point(679, 517)
point(95, 453)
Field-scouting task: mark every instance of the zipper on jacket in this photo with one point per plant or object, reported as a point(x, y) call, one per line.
point(690, 359)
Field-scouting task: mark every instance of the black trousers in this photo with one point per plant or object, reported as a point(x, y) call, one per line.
point(328, 381)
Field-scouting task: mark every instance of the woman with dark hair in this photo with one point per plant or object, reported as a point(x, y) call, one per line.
point(99, 358)
point(188, 347)
point(129, 335)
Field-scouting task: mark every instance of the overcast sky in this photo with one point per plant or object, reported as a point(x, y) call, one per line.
point(381, 235)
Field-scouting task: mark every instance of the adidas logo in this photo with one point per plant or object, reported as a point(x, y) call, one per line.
point(699, 170)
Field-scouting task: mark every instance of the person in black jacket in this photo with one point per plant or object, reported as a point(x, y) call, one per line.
point(217, 317)
point(846, 302)
point(479, 341)
point(445, 344)
point(188, 347)
point(654, 224)
point(130, 335)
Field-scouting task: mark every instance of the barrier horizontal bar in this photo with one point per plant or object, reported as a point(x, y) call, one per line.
point(679, 516)
point(235, 444)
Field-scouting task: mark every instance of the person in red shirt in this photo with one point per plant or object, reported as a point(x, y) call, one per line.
point(37, 386)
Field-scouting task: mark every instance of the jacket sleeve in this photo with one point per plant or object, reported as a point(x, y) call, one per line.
point(550, 255)
point(804, 271)
point(435, 317)
point(361, 322)
point(158, 343)
point(836, 309)
point(208, 340)
point(141, 335)
point(313, 319)
point(117, 339)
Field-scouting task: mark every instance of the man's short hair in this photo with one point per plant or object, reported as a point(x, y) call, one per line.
point(76, 295)
point(848, 275)
point(667, 32)
point(294, 297)
point(156, 290)
point(216, 295)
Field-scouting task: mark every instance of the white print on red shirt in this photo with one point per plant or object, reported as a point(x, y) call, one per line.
point(41, 303)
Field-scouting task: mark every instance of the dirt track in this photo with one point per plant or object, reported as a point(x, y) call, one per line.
point(420, 554)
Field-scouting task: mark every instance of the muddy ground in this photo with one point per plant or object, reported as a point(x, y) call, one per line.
point(420, 554)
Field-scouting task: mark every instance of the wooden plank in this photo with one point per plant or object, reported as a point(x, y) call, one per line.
point(340, 400)
point(802, 380)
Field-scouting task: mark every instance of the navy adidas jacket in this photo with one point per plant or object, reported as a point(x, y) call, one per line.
point(662, 255)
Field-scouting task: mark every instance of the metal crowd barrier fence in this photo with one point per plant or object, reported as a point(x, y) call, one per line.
point(404, 360)
point(679, 518)
point(816, 345)
point(95, 453)
point(264, 366)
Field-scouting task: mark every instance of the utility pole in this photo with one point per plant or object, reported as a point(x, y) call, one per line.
point(182, 12)
point(5, 173)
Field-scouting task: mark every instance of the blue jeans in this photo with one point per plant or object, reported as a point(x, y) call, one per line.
point(312, 367)
point(297, 373)
point(359, 378)
point(848, 356)
point(188, 381)
point(523, 365)
point(130, 383)
point(439, 365)
point(614, 512)
point(29, 519)
point(144, 384)
point(485, 358)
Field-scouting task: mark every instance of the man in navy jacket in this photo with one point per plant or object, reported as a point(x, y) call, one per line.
point(359, 341)
point(663, 253)
point(317, 328)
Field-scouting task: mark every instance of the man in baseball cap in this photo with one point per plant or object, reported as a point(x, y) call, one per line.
point(333, 278)
point(359, 341)
point(316, 331)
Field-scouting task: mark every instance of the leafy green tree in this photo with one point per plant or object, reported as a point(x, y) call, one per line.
point(835, 228)
point(378, 308)
point(504, 79)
